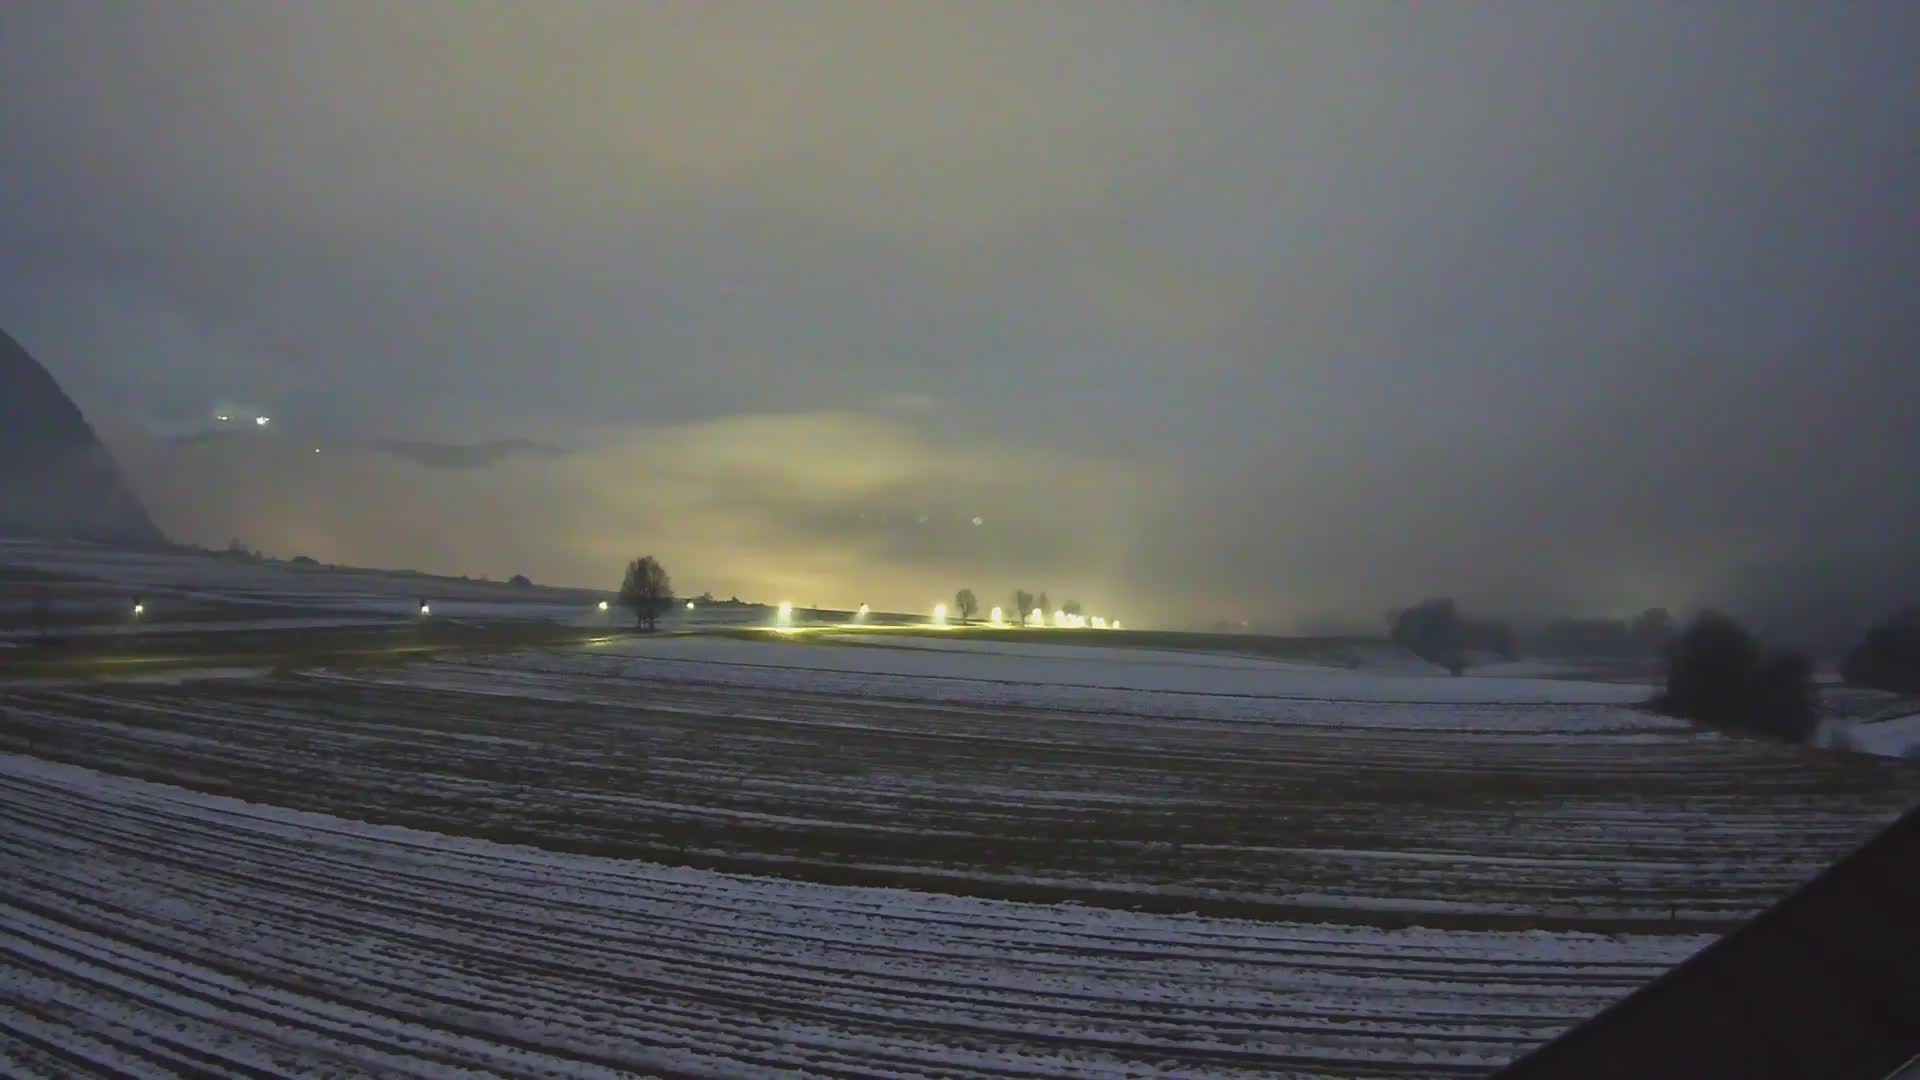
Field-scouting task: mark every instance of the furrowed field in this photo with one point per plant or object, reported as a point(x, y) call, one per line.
point(865, 855)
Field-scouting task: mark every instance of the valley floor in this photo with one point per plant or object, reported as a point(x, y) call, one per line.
point(720, 857)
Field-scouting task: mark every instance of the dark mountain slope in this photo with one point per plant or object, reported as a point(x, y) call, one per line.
point(56, 479)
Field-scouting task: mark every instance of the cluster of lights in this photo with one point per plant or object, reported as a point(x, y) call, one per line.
point(940, 615)
point(1063, 621)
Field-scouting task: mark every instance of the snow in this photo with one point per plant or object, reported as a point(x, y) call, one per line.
point(265, 938)
point(176, 582)
point(1898, 737)
point(1092, 677)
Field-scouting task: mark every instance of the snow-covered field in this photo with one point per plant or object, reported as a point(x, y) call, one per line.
point(90, 589)
point(848, 854)
point(1076, 668)
point(261, 938)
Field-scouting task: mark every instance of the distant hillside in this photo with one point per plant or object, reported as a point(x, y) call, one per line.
point(56, 479)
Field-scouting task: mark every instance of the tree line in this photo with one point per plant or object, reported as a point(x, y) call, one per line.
point(1716, 671)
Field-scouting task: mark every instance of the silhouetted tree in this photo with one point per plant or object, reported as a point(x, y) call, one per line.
point(1022, 604)
point(1888, 657)
point(1071, 607)
point(646, 590)
point(1783, 700)
point(1716, 675)
point(520, 581)
point(1431, 631)
point(1710, 671)
point(1045, 607)
point(1652, 630)
point(966, 604)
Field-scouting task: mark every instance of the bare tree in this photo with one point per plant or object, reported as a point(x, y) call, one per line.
point(646, 590)
point(1045, 608)
point(1022, 605)
point(966, 604)
point(1071, 607)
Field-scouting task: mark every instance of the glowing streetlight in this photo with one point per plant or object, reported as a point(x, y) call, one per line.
point(863, 612)
point(1114, 625)
point(1099, 623)
point(603, 605)
point(939, 614)
point(689, 605)
point(786, 613)
point(1059, 617)
point(262, 421)
point(139, 609)
point(1038, 618)
point(996, 618)
point(223, 418)
point(426, 608)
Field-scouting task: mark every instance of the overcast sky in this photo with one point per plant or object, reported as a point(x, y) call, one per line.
point(1206, 311)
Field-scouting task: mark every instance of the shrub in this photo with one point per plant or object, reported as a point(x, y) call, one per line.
point(1782, 699)
point(1888, 658)
point(1716, 675)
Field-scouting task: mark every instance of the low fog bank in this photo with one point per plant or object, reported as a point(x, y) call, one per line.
point(843, 508)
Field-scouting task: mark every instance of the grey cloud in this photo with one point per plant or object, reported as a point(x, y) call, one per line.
point(466, 456)
point(1539, 305)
